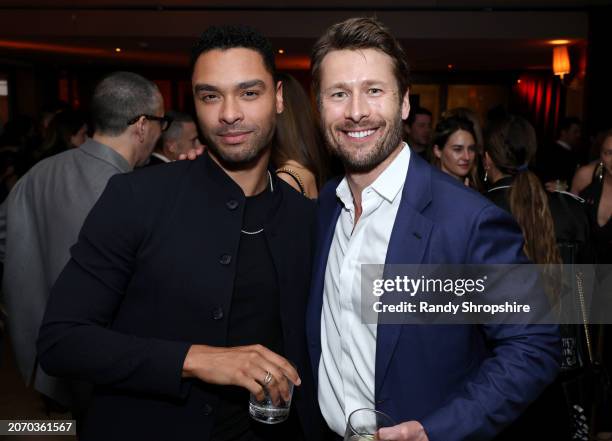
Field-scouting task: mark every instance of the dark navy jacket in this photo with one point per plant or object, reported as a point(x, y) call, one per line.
point(462, 382)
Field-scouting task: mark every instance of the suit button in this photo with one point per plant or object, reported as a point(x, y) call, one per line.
point(207, 409)
point(225, 259)
point(217, 313)
point(232, 204)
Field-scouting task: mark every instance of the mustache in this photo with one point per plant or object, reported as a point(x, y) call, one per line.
point(361, 125)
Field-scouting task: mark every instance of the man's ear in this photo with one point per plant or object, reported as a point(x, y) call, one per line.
point(279, 97)
point(141, 129)
point(405, 105)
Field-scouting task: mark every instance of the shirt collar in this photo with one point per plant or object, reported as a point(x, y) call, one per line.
point(388, 184)
point(105, 153)
point(161, 157)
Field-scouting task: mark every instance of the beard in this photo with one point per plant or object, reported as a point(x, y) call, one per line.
point(240, 156)
point(363, 160)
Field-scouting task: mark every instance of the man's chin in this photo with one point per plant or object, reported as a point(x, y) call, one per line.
point(357, 164)
point(239, 160)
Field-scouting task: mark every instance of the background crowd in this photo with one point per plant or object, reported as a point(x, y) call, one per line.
point(560, 196)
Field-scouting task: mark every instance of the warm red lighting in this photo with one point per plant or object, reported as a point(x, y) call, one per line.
point(450, 66)
point(518, 81)
point(295, 62)
point(281, 51)
point(117, 49)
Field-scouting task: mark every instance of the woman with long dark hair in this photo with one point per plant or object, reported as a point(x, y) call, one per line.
point(455, 152)
point(298, 152)
point(555, 230)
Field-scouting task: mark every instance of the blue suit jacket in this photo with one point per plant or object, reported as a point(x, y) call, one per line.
point(460, 381)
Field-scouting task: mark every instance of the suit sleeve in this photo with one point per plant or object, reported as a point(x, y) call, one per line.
point(76, 339)
point(524, 358)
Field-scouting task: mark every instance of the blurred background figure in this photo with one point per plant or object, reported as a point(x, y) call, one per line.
point(598, 197)
point(558, 162)
point(454, 150)
point(66, 130)
point(556, 231)
point(43, 214)
point(15, 144)
point(298, 154)
point(472, 116)
point(548, 219)
point(585, 174)
point(598, 200)
point(181, 136)
point(417, 129)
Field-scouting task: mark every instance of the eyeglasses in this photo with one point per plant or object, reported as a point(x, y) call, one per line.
point(164, 121)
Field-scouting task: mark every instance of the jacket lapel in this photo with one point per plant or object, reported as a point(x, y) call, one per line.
point(328, 211)
point(407, 245)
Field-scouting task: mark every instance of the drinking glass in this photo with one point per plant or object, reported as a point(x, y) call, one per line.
point(265, 411)
point(363, 424)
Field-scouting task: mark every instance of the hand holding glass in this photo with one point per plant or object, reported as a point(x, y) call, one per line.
point(265, 411)
point(363, 424)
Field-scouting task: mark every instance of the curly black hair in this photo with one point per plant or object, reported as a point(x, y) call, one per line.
point(228, 37)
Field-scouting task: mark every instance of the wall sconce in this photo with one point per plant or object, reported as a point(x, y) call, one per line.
point(561, 61)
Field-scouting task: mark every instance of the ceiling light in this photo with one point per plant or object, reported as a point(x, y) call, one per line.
point(561, 61)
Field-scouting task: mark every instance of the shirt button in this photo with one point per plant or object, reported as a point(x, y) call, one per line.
point(217, 313)
point(225, 259)
point(232, 204)
point(207, 409)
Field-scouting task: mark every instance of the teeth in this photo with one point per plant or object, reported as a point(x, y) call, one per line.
point(361, 134)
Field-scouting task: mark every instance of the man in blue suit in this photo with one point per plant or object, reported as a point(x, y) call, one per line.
point(438, 382)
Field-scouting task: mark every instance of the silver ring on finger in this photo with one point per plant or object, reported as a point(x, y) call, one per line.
point(268, 378)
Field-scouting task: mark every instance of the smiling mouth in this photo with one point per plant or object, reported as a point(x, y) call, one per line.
point(359, 134)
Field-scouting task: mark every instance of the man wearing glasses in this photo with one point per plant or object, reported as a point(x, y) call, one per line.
point(43, 214)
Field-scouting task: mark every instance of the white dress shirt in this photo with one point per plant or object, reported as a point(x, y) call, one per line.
point(348, 346)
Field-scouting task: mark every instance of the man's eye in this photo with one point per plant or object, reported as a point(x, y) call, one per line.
point(250, 94)
point(208, 98)
point(338, 94)
point(374, 91)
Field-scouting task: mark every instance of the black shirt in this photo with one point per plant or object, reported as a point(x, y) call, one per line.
point(254, 319)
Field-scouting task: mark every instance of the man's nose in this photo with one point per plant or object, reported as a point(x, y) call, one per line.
point(358, 108)
point(230, 111)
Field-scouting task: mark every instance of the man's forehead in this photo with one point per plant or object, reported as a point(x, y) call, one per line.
point(233, 65)
point(356, 65)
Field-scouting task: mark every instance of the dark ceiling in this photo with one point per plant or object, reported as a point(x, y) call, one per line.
point(477, 35)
